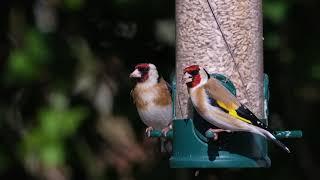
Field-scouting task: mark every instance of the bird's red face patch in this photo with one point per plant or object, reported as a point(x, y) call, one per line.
point(194, 72)
point(143, 68)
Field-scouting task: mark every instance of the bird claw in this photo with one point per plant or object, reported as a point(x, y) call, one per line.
point(148, 131)
point(166, 130)
point(216, 132)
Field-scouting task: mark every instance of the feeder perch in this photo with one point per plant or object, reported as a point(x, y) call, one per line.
point(193, 145)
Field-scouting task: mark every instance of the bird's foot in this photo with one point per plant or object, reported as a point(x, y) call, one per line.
point(216, 132)
point(148, 131)
point(166, 130)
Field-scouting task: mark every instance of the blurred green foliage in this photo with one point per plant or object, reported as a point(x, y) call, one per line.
point(56, 123)
point(315, 71)
point(272, 40)
point(48, 138)
point(275, 10)
point(74, 4)
point(27, 63)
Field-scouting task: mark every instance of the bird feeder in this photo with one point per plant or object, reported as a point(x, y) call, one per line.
point(194, 147)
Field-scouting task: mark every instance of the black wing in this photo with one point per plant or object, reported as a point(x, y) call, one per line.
point(244, 112)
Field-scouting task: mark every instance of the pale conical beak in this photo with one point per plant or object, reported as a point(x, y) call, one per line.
point(135, 74)
point(187, 78)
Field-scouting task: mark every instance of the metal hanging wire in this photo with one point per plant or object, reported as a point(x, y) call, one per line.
point(230, 51)
point(231, 54)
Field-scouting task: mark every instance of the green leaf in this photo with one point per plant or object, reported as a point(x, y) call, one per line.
point(50, 123)
point(4, 160)
point(36, 47)
point(57, 124)
point(73, 119)
point(272, 41)
point(52, 154)
point(74, 4)
point(276, 11)
point(315, 71)
point(46, 140)
point(20, 66)
point(33, 141)
point(27, 63)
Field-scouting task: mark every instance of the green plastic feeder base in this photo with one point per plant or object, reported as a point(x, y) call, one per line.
point(190, 150)
point(224, 160)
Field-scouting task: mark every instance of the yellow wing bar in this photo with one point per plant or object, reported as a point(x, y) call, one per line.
point(233, 112)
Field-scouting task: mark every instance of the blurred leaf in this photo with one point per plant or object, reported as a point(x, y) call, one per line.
point(36, 47)
point(315, 71)
point(32, 140)
point(74, 4)
point(50, 123)
point(276, 11)
point(53, 154)
point(27, 63)
point(47, 139)
point(61, 123)
point(272, 41)
point(20, 66)
point(58, 100)
point(4, 162)
point(73, 119)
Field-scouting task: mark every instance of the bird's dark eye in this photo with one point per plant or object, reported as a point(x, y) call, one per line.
point(194, 72)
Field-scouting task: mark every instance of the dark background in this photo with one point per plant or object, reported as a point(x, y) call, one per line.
point(65, 109)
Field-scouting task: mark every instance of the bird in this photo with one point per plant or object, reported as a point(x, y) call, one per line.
point(217, 105)
point(152, 97)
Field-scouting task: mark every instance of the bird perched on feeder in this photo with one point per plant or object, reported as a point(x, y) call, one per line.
point(152, 97)
point(220, 107)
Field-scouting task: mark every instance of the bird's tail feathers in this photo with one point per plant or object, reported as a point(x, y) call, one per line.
point(276, 141)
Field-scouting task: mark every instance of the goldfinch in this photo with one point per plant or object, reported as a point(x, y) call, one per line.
point(220, 107)
point(152, 97)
